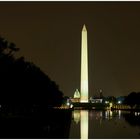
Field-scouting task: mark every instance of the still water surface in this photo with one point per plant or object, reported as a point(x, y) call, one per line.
point(105, 124)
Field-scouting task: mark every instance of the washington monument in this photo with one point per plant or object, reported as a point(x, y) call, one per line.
point(84, 83)
point(84, 66)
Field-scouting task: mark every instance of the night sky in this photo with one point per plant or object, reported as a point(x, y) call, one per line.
point(49, 34)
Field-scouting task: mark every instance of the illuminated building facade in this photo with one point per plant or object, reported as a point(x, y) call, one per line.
point(76, 96)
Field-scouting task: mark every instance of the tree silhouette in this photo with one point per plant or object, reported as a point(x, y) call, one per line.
point(133, 99)
point(22, 83)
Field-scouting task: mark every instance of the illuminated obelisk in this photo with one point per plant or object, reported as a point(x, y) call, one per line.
point(84, 66)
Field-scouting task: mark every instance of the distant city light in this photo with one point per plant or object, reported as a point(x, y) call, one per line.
point(71, 106)
point(106, 102)
point(119, 102)
point(111, 104)
point(68, 103)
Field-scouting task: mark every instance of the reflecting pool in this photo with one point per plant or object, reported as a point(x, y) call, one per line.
point(90, 124)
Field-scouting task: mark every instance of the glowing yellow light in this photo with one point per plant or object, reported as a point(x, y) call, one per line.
point(111, 105)
point(111, 114)
point(84, 66)
point(119, 114)
point(84, 124)
point(76, 116)
point(71, 106)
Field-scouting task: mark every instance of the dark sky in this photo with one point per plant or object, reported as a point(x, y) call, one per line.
point(49, 34)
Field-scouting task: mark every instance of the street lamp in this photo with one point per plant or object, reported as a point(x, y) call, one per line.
point(119, 102)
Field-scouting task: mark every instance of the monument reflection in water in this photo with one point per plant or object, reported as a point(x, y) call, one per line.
point(84, 124)
point(105, 124)
point(82, 116)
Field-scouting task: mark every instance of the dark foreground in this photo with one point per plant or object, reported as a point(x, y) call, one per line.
point(45, 124)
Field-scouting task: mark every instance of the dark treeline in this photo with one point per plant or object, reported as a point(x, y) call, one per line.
point(22, 83)
point(27, 96)
point(133, 99)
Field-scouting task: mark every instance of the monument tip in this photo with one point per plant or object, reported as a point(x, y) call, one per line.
point(84, 27)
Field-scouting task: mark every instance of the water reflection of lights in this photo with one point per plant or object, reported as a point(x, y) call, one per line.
point(108, 114)
point(99, 115)
point(90, 114)
point(137, 113)
point(119, 112)
point(76, 116)
point(84, 124)
point(82, 117)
